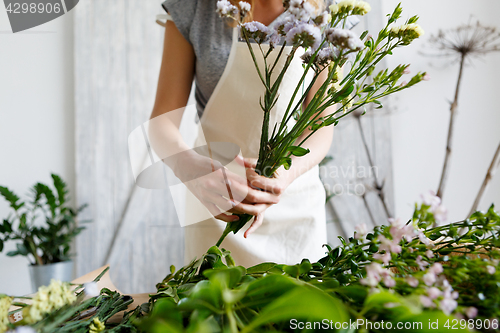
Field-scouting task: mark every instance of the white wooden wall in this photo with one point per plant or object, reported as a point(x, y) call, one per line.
point(117, 57)
point(118, 50)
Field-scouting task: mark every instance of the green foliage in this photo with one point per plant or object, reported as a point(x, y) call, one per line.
point(46, 243)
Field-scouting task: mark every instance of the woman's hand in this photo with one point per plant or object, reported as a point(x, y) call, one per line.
point(272, 187)
point(220, 190)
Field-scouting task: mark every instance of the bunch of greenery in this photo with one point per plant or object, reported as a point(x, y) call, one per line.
point(83, 314)
point(44, 243)
point(329, 48)
point(409, 273)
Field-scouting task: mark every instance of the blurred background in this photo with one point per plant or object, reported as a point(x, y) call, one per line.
point(73, 89)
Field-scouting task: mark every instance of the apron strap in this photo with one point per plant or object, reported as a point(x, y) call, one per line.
point(162, 19)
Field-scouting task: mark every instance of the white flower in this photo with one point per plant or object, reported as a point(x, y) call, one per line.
point(226, 9)
point(412, 281)
point(429, 254)
point(245, 7)
point(436, 268)
point(344, 39)
point(322, 19)
point(407, 32)
point(305, 35)
point(302, 10)
point(471, 312)
point(256, 31)
point(491, 270)
point(91, 289)
point(361, 229)
point(423, 238)
point(357, 7)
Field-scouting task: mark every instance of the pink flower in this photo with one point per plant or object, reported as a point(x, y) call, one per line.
point(407, 70)
point(421, 264)
point(389, 282)
point(426, 77)
point(447, 305)
point(429, 254)
point(423, 238)
point(389, 245)
point(491, 270)
point(412, 282)
point(361, 231)
point(436, 268)
point(440, 213)
point(433, 292)
point(471, 312)
point(430, 199)
point(426, 301)
point(385, 258)
point(429, 278)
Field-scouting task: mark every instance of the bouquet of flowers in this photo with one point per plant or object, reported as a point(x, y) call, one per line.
point(328, 49)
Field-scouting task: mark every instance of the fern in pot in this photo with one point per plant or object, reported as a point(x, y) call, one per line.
point(43, 227)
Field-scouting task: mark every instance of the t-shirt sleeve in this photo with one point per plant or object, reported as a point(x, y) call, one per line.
point(182, 13)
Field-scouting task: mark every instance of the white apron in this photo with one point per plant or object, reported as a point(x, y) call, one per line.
point(293, 229)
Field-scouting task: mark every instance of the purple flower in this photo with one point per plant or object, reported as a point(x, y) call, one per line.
point(471, 312)
point(305, 35)
point(412, 282)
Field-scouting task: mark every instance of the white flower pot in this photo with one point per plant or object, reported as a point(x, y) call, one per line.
point(42, 274)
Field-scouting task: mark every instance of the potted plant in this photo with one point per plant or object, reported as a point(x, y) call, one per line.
point(46, 244)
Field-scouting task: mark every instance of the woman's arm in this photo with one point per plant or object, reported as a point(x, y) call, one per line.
point(174, 87)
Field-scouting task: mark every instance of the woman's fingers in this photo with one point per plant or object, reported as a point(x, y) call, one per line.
point(250, 163)
point(251, 209)
point(257, 222)
point(271, 185)
point(214, 210)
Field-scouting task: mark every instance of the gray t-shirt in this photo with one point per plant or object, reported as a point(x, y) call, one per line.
point(211, 38)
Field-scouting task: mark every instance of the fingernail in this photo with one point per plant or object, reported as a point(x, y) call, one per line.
point(237, 218)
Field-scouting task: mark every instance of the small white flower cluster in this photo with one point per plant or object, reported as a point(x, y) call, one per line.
point(256, 31)
point(5, 303)
point(375, 273)
point(436, 208)
point(344, 39)
point(353, 7)
point(305, 35)
point(49, 298)
point(323, 57)
point(407, 32)
point(438, 290)
point(301, 9)
point(226, 9)
point(245, 7)
point(23, 329)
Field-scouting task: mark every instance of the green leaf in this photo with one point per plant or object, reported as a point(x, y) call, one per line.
point(261, 268)
point(298, 151)
point(12, 253)
point(1, 245)
point(379, 105)
point(11, 197)
point(60, 186)
point(303, 302)
point(286, 162)
point(42, 189)
point(21, 249)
